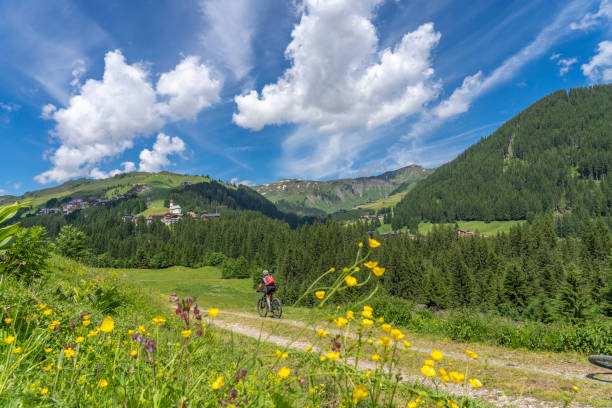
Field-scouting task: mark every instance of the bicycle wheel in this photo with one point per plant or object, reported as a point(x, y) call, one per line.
point(277, 308)
point(601, 361)
point(261, 308)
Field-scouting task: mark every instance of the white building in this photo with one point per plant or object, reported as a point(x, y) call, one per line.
point(175, 209)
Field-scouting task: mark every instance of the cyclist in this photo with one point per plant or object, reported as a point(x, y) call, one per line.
point(267, 281)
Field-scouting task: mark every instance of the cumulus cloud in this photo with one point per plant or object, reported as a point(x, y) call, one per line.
point(156, 159)
point(47, 111)
point(594, 19)
point(107, 115)
point(128, 167)
point(78, 70)
point(338, 79)
point(237, 182)
point(9, 107)
point(599, 67)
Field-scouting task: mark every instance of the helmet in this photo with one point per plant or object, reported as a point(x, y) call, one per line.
point(265, 272)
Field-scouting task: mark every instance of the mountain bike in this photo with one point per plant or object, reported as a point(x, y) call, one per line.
point(601, 361)
point(262, 307)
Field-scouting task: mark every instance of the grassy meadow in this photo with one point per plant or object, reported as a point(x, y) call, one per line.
point(486, 228)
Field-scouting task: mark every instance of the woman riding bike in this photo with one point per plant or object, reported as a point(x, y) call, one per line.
point(267, 281)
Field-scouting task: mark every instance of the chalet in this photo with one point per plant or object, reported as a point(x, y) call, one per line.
point(465, 234)
point(175, 209)
point(45, 211)
point(187, 183)
point(207, 216)
point(171, 219)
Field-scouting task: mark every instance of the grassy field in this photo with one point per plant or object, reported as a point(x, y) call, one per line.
point(156, 208)
point(491, 228)
point(390, 201)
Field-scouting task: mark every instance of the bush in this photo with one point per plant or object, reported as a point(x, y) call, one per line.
point(214, 259)
point(28, 256)
point(235, 268)
point(71, 243)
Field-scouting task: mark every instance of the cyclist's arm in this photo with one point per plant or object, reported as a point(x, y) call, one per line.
point(259, 287)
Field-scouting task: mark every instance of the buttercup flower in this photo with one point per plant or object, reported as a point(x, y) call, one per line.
point(341, 321)
point(350, 281)
point(159, 320)
point(428, 371)
point(69, 352)
point(430, 363)
point(397, 334)
point(375, 357)
point(407, 344)
point(386, 327)
point(134, 353)
point(48, 350)
point(9, 339)
point(366, 313)
point(213, 312)
point(437, 355)
point(370, 264)
point(8, 320)
point(284, 372)
point(456, 377)
point(471, 354)
point(86, 323)
point(378, 271)
point(218, 383)
point(373, 243)
point(280, 355)
point(385, 341)
point(186, 333)
point(42, 306)
point(350, 315)
point(47, 367)
point(321, 332)
point(108, 325)
point(333, 355)
point(367, 323)
point(308, 348)
point(79, 340)
point(17, 350)
point(43, 391)
point(475, 382)
point(359, 393)
point(102, 383)
point(48, 312)
point(320, 294)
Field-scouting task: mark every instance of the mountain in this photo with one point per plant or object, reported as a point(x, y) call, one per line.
point(552, 157)
point(325, 197)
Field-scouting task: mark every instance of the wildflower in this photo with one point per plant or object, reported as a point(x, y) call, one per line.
point(322, 358)
point(43, 391)
point(428, 371)
point(213, 312)
point(280, 355)
point(93, 333)
point(370, 341)
point(407, 344)
point(475, 382)
point(48, 312)
point(107, 325)
point(369, 372)
point(47, 367)
point(350, 315)
point(456, 377)
point(9, 339)
point(397, 334)
point(17, 350)
point(341, 321)
point(386, 327)
point(79, 340)
point(443, 371)
point(308, 348)
point(48, 350)
point(84, 316)
point(102, 383)
point(218, 383)
point(320, 294)
point(134, 353)
point(368, 308)
point(430, 363)
point(333, 355)
point(186, 333)
point(437, 355)
point(371, 264)
point(378, 271)
point(359, 393)
point(471, 354)
point(385, 341)
point(373, 243)
point(42, 306)
point(8, 320)
point(321, 332)
point(350, 281)
point(159, 320)
point(376, 357)
point(412, 404)
point(367, 323)
point(130, 332)
point(452, 404)
point(69, 352)
point(284, 372)
point(86, 323)
point(142, 330)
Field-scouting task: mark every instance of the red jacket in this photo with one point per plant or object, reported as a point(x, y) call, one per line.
point(268, 280)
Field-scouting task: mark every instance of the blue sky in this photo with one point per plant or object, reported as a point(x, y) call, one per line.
point(253, 91)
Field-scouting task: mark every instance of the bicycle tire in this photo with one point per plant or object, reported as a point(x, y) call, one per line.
point(262, 309)
point(601, 361)
point(277, 308)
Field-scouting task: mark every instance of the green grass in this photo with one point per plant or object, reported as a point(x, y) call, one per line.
point(155, 208)
point(390, 201)
point(491, 228)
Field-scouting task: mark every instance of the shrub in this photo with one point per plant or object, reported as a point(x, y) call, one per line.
point(28, 255)
point(235, 268)
point(71, 243)
point(214, 259)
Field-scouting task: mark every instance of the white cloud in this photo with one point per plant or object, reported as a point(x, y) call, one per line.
point(555, 56)
point(190, 87)
point(79, 68)
point(103, 120)
point(47, 111)
point(237, 182)
point(338, 79)
point(2, 191)
point(9, 107)
point(128, 167)
point(565, 65)
point(599, 67)
point(156, 159)
point(461, 98)
point(229, 33)
point(593, 19)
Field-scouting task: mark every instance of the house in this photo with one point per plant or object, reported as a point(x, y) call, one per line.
point(192, 214)
point(175, 208)
point(187, 183)
point(465, 234)
point(171, 219)
point(207, 216)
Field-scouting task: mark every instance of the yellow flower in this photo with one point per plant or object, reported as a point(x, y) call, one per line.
point(130, 332)
point(456, 377)
point(218, 383)
point(428, 371)
point(452, 404)
point(443, 371)
point(47, 367)
point(213, 312)
point(141, 329)
point(86, 323)
point(93, 333)
point(17, 350)
point(9, 339)
point(43, 391)
point(380, 320)
point(280, 355)
point(371, 264)
point(79, 340)
point(341, 321)
point(445, 378)
point(367, 323)
point(430, 363)
point(159, 320)
point(48, 312)
point(368, 309)
point(471, 354)
point(321, 332)
point(133, 353)
point(107, 325)
point(386, 327)
point(373, 243)
point(350, 315)
point(308, 348)
point(369, 372)
point(385, 341)
point(48, 350)
point(437, 355)
point(359, 393)
point(69, 352)
point(475, 382)
point(42, 306)
point(367, 314)
point(360, 244)
point(375, 357)
point(284, 372)
point(102, 383)
point(333, 355)
point(85, 317)
point(322, 358)
point(397, 334)
point(320, 294)
point(8, 320)
point(350, 281)
point(378, 271)
point(186, 333)
point(573, 388)
point(412, 404)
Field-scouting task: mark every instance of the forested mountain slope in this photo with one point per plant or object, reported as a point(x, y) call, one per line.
point(553, 156)
point(325, 197)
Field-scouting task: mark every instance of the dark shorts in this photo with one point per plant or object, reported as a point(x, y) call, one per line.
point(270, 289)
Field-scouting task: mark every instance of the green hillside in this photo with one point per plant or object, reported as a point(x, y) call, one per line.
point(552, 157)
point(325, 197)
